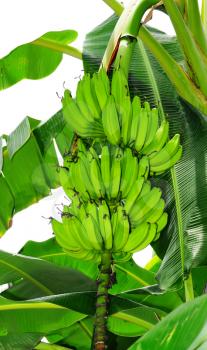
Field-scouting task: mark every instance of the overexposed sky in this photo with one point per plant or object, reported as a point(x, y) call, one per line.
point(23, 21)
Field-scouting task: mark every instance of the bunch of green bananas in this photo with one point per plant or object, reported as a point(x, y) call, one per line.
point(104, 110)
point(114, 207)
point(87, 229)
point(114, 173)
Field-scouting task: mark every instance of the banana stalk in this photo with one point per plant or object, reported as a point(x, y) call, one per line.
point(104, 282)
point(185, 86)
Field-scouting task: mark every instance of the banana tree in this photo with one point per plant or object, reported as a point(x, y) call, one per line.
point(133, 141)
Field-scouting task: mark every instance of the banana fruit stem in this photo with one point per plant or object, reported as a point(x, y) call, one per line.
point(102, 302)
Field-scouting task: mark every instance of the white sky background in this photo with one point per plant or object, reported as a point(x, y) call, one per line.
point(23, 21)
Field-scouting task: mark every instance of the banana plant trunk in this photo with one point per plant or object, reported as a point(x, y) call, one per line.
point(104, 282)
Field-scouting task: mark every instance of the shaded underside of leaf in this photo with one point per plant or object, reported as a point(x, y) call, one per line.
point(33, 278)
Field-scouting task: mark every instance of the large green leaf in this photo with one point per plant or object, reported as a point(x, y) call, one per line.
point(34, 317)
point(183, 242)
point(37, 278)
point(31, 61)
point(184, 328)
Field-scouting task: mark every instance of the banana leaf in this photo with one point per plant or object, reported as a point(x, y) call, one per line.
point(182, 243)
point(19, 341)
point(24, 180)
point(32, 60)
point(184, 328)
point(32, 278)
point(34, 317)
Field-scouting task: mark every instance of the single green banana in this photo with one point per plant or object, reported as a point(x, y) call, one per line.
point(104, 77)
point(136, 237)
point(159, 140)
point(64, 235)
point(96, 178)
point(143, 167)
point(93, 232)
point(150, 238)
point(91, 208)
point(65, 181)
point(162, 222)
point(110, 122)
point(147, 106)
point(126, 119)
point(82, 254)
point(100, 90)
point(77, 178)
point(79, 232)
point(152, 127)
point(85, 172)
point(73, 115)
point(106, 169)
point(119, 87)
point(115, 173)
point(121, 257)
point(90, 97)
point(145, 190)
point(166, 153)
point(168, 164)
point(105, 224)
point(136, 119)
point(108, 232)
point(142, 130)
point(129, 172)
point(154, 214)
point(133, 194)
point(144, 204)
point(120, 229)
point(82, 103)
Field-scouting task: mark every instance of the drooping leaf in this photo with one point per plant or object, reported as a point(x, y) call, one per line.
point(34, 317)
point(31, 61)
point(184, 328)
point(183, 241)
point(20, 135)
point(80, 301)
point(37, 278)
point(27, 179)
point(49, 250)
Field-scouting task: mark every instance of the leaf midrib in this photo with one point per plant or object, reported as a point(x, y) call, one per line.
point(28, 277)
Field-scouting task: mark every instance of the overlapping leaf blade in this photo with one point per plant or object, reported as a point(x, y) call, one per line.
point(33, 278)
point(183, 242)
point(24, 179)
point(184, 328)
point(35, 317)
